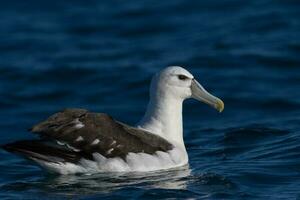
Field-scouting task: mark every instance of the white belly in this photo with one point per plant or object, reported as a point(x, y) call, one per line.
point(134, 162)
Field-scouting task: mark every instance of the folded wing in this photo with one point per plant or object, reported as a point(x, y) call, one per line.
point(77, 133)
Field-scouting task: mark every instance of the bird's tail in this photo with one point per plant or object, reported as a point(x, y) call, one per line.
point(38, 150)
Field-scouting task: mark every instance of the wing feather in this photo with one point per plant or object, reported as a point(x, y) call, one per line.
point(98, 132)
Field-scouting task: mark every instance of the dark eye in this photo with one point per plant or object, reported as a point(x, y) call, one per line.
point(182, 77)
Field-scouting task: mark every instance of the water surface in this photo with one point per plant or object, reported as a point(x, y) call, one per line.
point(100, 55)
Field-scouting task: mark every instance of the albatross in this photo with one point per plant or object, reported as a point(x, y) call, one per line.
point(79, 141)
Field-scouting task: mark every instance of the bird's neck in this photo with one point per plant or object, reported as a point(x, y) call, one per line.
point(164, 118)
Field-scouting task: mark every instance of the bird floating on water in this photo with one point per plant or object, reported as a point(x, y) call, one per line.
point(79, 141)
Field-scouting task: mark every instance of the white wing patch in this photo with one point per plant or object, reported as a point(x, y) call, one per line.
point(78, 124)
point(96, 141)
point(113, 143)
point(67, 145)
point(109, 151)
point(60, 143)
point(72, 148)
point(79, 139)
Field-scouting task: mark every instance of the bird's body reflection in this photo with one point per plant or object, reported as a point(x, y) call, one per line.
point(108, 182)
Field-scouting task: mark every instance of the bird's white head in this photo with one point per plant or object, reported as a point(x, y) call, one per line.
point(169, 88)
point(177, 83)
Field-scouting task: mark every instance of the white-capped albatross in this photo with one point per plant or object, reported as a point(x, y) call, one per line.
point(79, 141)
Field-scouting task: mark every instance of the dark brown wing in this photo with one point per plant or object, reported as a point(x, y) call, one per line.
point(87, 132)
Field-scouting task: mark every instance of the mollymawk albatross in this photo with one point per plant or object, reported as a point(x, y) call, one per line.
point(79, 141)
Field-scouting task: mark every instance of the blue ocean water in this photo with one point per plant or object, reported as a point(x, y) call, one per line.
point(100, 55)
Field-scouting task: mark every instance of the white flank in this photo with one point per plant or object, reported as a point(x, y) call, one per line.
point(141, 162)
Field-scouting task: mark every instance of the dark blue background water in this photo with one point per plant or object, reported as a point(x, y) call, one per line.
point(100, 55)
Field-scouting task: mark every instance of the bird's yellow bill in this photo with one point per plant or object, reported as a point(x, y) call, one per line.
point(199, 93)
